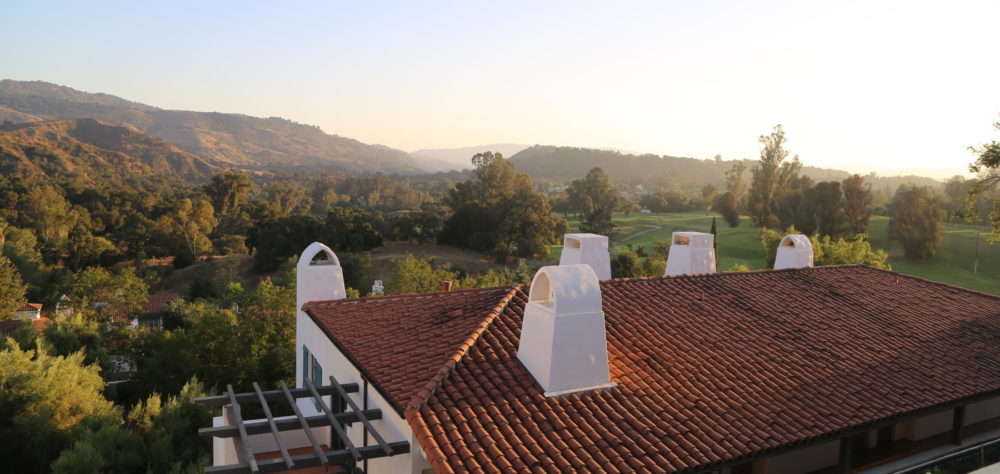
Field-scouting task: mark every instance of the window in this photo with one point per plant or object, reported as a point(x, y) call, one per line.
point(313, 372)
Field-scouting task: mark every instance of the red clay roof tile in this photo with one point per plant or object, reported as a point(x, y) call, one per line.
point(710, 369)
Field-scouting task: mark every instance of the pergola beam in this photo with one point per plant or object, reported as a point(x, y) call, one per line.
point(340, 456)
point(273, 395)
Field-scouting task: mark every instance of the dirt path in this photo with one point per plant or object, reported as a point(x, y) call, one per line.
point(650, 229)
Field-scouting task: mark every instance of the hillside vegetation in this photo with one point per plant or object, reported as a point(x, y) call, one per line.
point(91, 150)
point(250, 142)
point(564, 164)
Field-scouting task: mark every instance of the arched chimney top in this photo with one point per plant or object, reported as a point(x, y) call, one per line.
point(566, 289)
point(317, 254)
point(798, 241)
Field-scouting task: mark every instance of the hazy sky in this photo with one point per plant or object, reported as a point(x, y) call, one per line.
point(895, 84)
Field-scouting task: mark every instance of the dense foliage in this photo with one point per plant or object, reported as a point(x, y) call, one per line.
point(499, 212)
point(916, 221)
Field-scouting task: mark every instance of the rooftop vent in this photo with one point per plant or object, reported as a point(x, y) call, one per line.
point(587, 249)
point(318, 276)
point(691, 253)
point(794, 251)
point(563, 341)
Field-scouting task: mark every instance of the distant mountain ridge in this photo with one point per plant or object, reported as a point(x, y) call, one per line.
point(564, 164)
point(274, 144)
point(92, 150)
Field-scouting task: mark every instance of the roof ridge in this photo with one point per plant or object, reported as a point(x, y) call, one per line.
point(411, 412)
point(747, 272)
point(366, 299)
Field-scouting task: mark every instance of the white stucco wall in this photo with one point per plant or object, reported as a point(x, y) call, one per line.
point(982, 411)
point(392, 426)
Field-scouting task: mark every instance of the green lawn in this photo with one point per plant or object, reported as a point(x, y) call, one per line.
point(741, 245)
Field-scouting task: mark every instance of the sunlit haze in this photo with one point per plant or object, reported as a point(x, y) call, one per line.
point(888, 85)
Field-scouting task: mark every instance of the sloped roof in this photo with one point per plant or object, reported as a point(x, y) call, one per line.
point(29, 307)
point(8, 327)
point(154, 305)
point(710, 369)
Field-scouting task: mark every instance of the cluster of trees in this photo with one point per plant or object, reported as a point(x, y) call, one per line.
point(55, 418)
point(59, 414)
point(498, 211)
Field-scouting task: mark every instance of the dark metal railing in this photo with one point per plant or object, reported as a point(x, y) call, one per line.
point(960, 462)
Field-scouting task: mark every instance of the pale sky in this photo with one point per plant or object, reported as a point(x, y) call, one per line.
point(892, 84)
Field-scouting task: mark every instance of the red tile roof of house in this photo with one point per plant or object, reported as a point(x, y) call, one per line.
point(711, 369)
point(154, 305)
point(7, 328)
point(29, 307)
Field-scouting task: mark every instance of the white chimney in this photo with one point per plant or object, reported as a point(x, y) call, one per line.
point(588, 249)
point(318, 276)
point(794, 251)
point(691, 253)
point(563, 341)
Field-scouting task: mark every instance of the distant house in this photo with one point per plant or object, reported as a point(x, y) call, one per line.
point(29, 311)
point(7, 328)
point(834, 369)
point(150, 316)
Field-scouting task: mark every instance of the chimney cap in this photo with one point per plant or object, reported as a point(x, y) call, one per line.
point(585, 241)
point(566, 289)
point(315, 249)
point(693, 239)
point(796, 240)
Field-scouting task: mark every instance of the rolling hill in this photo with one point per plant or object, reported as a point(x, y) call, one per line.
point(91, 150)
point(273, 144)
point(564, 164)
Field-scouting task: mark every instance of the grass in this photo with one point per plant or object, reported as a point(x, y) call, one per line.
point(741, 245)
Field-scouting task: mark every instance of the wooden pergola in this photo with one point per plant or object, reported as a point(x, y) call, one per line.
point(349, 459)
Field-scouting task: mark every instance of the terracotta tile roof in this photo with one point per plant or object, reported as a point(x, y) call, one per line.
point(154, 304)
point(7, 328)
point(403, 342)
point(29, 307)
point(710, 369)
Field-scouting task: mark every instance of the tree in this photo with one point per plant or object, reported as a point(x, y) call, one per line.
point(499, 212)
point(102, 293)
point(351, 230)
point(715, 235)
point(828, 208)
point(735, 183)
point(771, 176)
point(726, 205)
point(227, 191)
point(12, 289)
point(273, 242)
point(416, 275)
point(594, 199)
point(708, 194)
point(49, 212)
point(916, 215)
point(628, 264)
point(987, 166)
point(186, 228)
point(827, 251)
point(43, 399)
point(857, 203)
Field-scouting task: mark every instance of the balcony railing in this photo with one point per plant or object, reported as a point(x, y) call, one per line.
point(960, 462)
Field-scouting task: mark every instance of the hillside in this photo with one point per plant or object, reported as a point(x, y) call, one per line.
point(564, 164)
point(248, 142)
point(447, 159)
point(90, 150)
